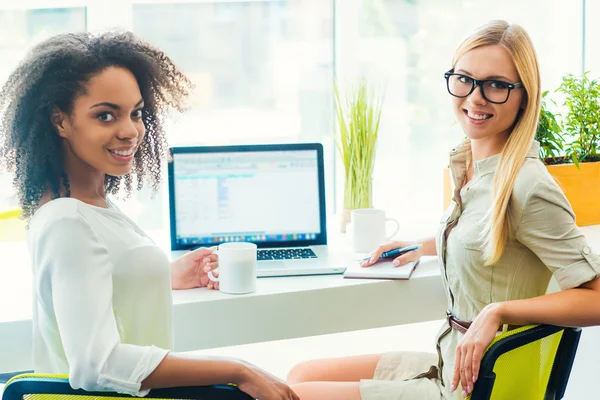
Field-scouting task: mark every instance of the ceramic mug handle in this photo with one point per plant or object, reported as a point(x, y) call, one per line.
point(396, 229)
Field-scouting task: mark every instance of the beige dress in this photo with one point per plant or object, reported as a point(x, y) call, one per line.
point(545, 241)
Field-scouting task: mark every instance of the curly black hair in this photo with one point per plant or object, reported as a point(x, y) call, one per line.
point(54, 74)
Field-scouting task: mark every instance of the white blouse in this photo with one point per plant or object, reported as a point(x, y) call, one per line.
point(101, 297)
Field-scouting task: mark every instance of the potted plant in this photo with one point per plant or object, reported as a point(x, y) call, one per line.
point(571, 149)
point(358, 115)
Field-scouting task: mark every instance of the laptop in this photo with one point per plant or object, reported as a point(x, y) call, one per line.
point(271, 195)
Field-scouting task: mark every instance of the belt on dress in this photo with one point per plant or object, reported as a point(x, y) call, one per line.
point(463, 326)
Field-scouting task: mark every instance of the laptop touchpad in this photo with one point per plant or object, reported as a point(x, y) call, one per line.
point(270, 264)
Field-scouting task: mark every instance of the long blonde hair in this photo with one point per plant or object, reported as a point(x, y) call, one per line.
point(519, 45)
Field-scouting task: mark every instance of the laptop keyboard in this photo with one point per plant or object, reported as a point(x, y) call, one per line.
point(285, 254)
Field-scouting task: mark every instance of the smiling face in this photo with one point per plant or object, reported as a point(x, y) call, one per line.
point(105, 128)
point(479, 118)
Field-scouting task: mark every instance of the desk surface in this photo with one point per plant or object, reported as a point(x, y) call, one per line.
point(16, 290)
point(281, 308)
point(15, 285)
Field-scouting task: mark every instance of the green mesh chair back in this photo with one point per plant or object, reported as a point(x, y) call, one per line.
point(529, 363)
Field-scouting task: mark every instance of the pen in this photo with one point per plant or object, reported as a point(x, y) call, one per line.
point(396, 252)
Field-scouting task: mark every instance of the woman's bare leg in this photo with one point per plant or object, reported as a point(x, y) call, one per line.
point(327, 390)
point(345, 369)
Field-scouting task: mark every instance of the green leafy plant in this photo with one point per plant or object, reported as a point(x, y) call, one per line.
point(581, 124)
point(548, 134)
point(573, 135)
point(358, 115)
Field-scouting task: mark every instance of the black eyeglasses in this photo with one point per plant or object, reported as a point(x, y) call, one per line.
point(492, 90)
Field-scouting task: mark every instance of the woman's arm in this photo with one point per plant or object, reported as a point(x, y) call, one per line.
point(182, 370)
point(572, 307)
point(428, 248)
point(547, 227)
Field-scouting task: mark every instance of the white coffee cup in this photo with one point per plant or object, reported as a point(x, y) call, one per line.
point(237, 268)
point(367, 229)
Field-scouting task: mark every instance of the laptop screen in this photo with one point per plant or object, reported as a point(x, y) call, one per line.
point(234, 194)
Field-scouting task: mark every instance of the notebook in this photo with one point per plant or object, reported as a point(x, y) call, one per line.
point(381, 270)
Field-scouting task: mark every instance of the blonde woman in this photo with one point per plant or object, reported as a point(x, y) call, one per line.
point(508, 229)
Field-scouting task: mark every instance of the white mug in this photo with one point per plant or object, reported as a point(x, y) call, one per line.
point(367, 229)
point(237, 268)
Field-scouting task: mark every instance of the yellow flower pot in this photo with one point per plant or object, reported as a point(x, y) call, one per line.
point(582, 188)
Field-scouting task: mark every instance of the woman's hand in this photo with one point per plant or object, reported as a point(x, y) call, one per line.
point(469, 351)
point(398, 261)
point(190, 270)
point(259, 384)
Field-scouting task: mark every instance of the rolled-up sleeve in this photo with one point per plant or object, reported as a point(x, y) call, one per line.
point(547, 227)
point(78, 267)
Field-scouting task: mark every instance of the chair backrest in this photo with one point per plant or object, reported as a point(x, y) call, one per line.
point(532, 362)
point(56, 387)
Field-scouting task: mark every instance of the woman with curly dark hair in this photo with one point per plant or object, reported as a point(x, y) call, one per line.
point(82, 117)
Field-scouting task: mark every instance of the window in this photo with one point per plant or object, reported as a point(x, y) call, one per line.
point(262, 69)
point(263, 72)
point(592, 39)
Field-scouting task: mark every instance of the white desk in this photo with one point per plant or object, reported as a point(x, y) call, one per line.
point(281, 308)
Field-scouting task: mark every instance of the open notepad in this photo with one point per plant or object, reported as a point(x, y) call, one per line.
point(381, 270)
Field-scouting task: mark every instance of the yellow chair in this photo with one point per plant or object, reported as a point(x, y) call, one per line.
point(530, 363)
point(12, 227)
point(56, 387)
